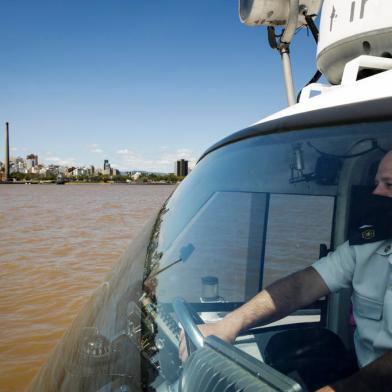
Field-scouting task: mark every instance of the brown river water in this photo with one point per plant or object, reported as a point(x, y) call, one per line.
point(57, 242)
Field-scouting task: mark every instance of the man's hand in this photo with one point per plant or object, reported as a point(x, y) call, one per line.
point(326, 389)
point(276, 301)
point(223, 329)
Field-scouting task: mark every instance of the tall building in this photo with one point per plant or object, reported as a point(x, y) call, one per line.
point(31, 161)
point(106, 168)
point(106, 164)
point(181, 168)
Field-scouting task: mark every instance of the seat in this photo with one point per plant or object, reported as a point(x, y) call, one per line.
point(316, 354)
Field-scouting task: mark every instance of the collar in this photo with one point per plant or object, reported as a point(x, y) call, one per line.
point(385, 248)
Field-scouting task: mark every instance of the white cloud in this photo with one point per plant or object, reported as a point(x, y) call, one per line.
point(181, 153)
point(60, 161)
point(125, 151)
point(162, 161)
point(94, 148)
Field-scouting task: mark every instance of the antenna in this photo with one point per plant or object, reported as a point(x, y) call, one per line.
point(289, 14)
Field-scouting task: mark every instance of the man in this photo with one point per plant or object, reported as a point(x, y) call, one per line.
point(365, 268)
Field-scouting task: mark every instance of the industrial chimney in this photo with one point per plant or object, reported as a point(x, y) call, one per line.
point(7, 154)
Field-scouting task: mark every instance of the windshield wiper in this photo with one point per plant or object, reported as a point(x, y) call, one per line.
point(185, 253)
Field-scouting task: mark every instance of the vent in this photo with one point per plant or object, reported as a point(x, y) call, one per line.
point(220, 367)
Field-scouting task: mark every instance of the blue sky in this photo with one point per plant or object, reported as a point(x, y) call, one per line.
point(141, 83)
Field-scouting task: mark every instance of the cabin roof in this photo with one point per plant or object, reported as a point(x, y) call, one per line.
point(368, 100)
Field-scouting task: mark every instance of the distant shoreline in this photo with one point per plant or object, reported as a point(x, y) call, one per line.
point(85, 183)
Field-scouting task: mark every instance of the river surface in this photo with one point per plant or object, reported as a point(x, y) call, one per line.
point(56, 245)
point(58, 242)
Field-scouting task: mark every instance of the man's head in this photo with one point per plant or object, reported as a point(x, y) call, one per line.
point(384, 177)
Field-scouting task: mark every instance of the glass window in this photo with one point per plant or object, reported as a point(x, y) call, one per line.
point(297, 226)
point(291, 180)
point(225, 242)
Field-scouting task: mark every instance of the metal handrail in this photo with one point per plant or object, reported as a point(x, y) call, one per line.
point(181, 308)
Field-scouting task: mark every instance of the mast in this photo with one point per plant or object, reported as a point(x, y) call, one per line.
point(284, 50)
point(288, 14)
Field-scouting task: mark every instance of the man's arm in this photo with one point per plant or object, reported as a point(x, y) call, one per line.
point(276, 301)
point(279, 299)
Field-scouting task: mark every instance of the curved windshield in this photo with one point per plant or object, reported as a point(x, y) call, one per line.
point(258, 209)
point(250, 212)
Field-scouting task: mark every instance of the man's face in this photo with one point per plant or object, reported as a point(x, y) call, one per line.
point(383, 178)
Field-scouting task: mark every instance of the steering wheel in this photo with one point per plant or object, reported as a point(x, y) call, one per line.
point(186, 316)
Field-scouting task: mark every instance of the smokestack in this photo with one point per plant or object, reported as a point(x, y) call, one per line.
point(7, 153)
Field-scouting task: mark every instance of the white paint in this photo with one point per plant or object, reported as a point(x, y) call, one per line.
point(353, 67)
point(272, 12)
point(371, 88)
point(352, 28)
point(342, 19)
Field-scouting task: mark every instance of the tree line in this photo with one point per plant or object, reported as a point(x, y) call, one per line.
point(144, 178)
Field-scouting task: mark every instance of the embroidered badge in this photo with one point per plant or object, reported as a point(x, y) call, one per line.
point(368, 234)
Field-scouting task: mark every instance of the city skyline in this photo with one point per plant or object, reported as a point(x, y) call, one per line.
point(139, 83)
point(9, 158)
point(30, 164)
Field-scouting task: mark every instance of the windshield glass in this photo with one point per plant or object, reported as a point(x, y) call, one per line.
point(250, 212)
